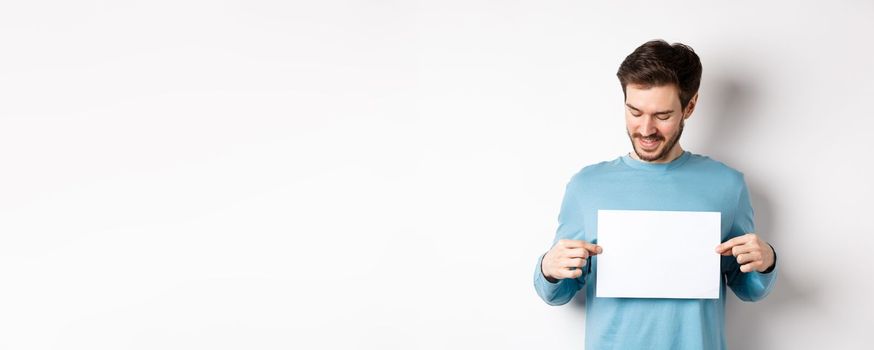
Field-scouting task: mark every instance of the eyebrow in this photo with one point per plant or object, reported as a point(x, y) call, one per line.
point(656, 113)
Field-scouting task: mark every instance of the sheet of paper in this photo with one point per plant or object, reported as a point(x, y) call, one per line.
point(658, 254)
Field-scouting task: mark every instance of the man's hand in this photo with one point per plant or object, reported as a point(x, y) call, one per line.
point(751, 252)
point(567, 258)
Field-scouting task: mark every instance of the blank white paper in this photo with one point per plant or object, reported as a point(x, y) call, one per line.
point(658, 254)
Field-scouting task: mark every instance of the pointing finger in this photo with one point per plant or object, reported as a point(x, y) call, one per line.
point(593, 249)
point(725, 248)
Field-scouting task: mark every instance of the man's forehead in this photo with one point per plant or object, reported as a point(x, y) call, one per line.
point(652, 98)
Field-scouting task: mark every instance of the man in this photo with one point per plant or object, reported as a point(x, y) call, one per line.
point(660, 84)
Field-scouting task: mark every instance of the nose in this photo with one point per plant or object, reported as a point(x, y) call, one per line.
point(647, 126)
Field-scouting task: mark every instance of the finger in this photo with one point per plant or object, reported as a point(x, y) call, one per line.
point(569, 243)
point(574, 262)
point(731, 243)
point(566, 273)
point(576, 253)
point(749, 257)
point(743, 249)
point(593, 249)
point(727, 245)
point(725, 251)
point(576, 273)
point(749, 267)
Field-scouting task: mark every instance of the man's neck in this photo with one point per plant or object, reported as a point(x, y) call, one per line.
point(674, 153)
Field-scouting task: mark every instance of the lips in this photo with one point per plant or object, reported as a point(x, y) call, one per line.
point(649, 144)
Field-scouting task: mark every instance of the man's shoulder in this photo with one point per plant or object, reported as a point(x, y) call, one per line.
point(600, 168)
point(713, 164)
point(713, 167)
point(596, 171)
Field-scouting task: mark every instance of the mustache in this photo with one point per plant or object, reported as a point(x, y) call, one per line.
point(654, 137)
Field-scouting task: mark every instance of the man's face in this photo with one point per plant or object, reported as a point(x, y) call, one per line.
point(654, 120)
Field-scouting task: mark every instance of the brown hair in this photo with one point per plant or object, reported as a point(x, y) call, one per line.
point(657, 63)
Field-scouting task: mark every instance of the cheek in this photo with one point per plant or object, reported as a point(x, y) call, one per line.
point(669, 129)
point(631, 124)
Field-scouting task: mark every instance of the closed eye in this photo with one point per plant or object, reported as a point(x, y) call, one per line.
point(661, 115)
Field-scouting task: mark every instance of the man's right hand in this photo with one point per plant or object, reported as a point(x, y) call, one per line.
point(567, 258)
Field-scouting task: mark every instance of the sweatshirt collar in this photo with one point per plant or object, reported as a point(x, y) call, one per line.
point(639, 164)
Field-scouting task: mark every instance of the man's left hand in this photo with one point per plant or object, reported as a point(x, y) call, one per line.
point(752, 253)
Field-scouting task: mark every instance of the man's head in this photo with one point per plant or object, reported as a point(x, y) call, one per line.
point(660, 84)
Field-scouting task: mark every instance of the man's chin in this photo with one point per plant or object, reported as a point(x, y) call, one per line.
point(649, 156)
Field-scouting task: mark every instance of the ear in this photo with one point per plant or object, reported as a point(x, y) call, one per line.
point(691, 107)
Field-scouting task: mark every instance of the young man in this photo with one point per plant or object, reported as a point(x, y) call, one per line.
point(660, 83)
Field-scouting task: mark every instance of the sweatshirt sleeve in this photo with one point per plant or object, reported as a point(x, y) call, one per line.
point(749, 286)
point(570, 226)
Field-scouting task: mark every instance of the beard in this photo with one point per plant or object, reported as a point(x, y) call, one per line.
point(667, 146)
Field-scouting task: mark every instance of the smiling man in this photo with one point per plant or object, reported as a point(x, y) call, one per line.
point(660, 83)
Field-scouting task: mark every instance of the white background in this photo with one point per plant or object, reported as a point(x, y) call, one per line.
point(383, 175)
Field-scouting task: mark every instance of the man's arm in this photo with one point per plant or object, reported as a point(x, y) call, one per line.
point(750, 263)
point(567, 257)
point(556, 292)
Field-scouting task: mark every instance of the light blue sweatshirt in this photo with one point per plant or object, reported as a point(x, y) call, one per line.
point(690, 182)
